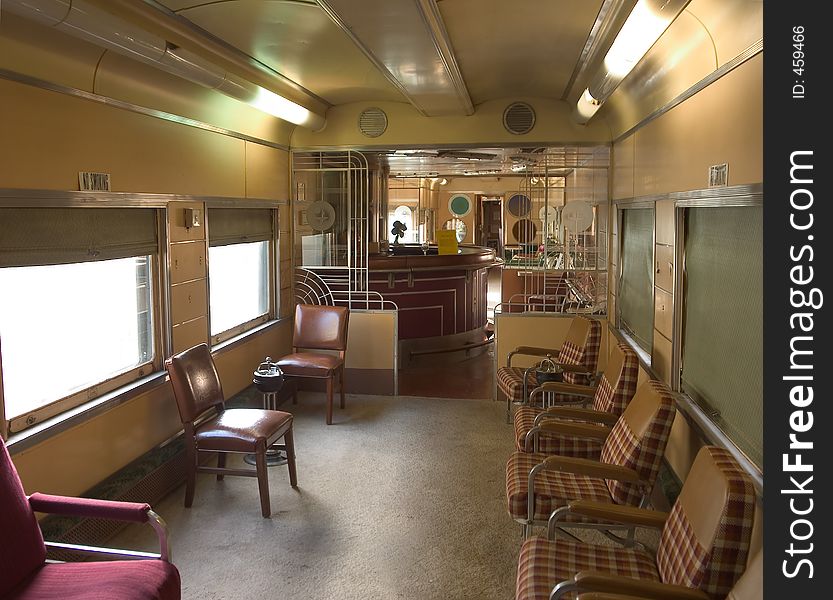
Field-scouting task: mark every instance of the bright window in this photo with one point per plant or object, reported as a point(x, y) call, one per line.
point(67, 328)
point(239, 280)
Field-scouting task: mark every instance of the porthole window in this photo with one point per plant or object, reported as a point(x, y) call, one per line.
point(459, 205)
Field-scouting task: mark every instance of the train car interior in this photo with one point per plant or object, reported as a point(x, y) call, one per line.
point(464, 296)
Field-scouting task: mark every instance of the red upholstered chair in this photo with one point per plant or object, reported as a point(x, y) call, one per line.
point(197, 389)
point(318, 328)
point(703, 547)
point(24, 574)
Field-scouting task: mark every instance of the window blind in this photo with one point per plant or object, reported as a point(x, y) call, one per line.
point(722, 358)
point(636, 288)
point(238, 225)
point(54, 236)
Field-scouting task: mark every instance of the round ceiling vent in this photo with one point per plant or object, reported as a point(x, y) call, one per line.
point(373, 122)
point(519, 118)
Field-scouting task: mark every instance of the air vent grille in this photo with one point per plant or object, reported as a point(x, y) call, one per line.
point(519, 118)
point(373, 122)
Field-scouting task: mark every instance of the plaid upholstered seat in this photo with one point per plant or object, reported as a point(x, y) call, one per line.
point(581, 347)
point(702, 549)
point(616, 388)
point(636, 442)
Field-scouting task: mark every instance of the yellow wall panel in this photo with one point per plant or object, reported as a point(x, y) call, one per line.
point(665, 221)
point(721, 124)
point(190, 333)
point(77, 459)
point(371, 340)
point(664, 267)
point(683, 445)
point(187, 261)
point(663, 312)
point(49, 137)
point(267, 172)
point(236, 365)
point(177, 231)
point(188, 301)
point(622, 167)
point(661, 357)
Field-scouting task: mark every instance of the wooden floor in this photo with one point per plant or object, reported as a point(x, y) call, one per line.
point(450, 377)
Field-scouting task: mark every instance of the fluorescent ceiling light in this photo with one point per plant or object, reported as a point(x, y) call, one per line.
point(638, 34)
point(278, 106)
point(646, 23)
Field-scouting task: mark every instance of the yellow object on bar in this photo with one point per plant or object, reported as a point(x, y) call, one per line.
point(446, 241)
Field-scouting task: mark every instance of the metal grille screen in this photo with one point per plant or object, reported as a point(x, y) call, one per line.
point(636, 289)
point(722, 343)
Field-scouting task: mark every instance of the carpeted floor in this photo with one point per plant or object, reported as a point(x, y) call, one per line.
point(400, 498)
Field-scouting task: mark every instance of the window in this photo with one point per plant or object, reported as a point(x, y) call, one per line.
point(239, 284)
point(722, 350)
point(76, 315)
point(240, 242)
point(636, 286)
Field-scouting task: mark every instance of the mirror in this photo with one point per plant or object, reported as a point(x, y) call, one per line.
point(459, 226)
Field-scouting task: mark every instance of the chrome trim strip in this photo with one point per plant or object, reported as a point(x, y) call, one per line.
point(142, 110)
point(339, 22)
point(430, 12)
point(747, 194)
point(724, 69)
point(31, 198)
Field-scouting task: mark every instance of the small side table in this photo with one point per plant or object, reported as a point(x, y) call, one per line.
point(276, 453)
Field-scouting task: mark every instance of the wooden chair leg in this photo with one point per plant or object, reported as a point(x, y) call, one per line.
point(263, 481)
point(221, 464)
point(330, 399)
point(191, 472)
point(295, 394)
point(341, 378)
point(289, 441)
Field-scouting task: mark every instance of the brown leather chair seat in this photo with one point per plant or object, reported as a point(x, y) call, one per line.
point(242, 429)
point(309, 364)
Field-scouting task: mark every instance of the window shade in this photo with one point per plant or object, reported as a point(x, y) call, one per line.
point(723, 318)
point(54, 236)
point(238, 225)
point(636, 289)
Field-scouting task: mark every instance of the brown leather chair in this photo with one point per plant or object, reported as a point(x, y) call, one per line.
point(318, 328)
point(197, 390)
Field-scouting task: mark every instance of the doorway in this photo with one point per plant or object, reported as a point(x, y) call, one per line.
point(491, 224)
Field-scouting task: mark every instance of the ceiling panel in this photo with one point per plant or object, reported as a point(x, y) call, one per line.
point(297, 39)
point(519, 48)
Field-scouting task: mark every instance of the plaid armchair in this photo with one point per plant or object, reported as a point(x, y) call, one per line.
point(537, 484)
point(703, 549)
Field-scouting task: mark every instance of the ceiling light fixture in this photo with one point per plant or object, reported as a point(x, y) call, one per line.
point(646, 23)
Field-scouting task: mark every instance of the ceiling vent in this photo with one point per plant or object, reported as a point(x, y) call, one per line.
point(519, 118)
point(373, 122)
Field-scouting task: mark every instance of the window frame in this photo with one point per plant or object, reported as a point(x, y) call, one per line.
point(272, 272)
point(736, 196)
point(48, 200)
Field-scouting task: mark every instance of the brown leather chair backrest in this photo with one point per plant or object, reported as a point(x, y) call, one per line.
point(320, 327)
point(195, 381)
point(705, 541)
point(618, 382)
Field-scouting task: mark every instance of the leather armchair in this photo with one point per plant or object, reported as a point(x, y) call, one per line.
point(703, 549)
point(319, 328)
point(25, 573)
point(199, 395)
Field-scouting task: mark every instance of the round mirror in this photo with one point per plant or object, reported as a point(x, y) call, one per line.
point(519, 205)
point(459, 226)
point(459, 205)
point(524, 231)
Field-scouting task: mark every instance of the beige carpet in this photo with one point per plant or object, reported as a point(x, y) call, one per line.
point(399, 498)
